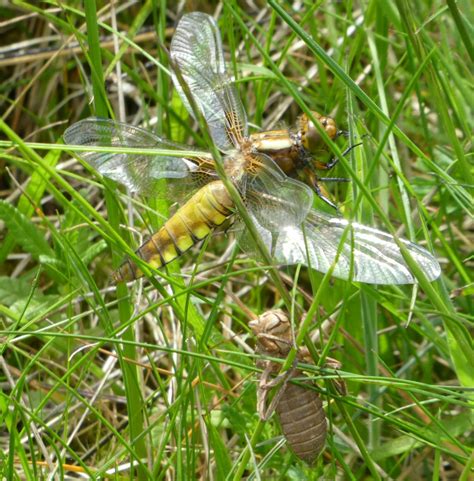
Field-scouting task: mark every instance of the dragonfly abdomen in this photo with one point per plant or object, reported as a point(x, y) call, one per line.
point(303, 421)
point(207, 209)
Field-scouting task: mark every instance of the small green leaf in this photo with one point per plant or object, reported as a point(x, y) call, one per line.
point(32, 196)
point(12, 290)
point(35, 307)
point(25, 232)
point(93, 251)
point(455, 426)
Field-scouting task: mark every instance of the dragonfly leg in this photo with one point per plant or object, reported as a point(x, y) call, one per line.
point(339, 384)
point(329, 165)
point(323, 194)
point(262, 392)
point(312, 180)
point(333, 179)
point(343, 133)
point(265, 385)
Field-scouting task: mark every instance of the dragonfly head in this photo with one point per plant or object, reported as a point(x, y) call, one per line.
point(310, 136)
point(273, 331)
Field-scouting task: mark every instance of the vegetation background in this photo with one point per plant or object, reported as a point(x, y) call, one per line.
point(158, 380)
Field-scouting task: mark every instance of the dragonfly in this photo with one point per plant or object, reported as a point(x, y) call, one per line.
point(259, 165)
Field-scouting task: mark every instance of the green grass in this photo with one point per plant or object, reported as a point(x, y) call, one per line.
point(158, 380)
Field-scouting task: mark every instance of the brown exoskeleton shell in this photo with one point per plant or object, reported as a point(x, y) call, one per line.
point(299, 409)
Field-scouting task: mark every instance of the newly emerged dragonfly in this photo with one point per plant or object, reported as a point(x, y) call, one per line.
point(280, 207)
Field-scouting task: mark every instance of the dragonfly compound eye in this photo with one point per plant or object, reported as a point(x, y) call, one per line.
point(273, 331)
point(274, 322)
point(310, 136)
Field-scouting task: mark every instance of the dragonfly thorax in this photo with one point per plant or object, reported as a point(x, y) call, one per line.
point(236, 164)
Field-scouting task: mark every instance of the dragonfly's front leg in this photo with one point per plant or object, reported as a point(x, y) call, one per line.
point(266, 384)
point(329, 165)
point(339, 384)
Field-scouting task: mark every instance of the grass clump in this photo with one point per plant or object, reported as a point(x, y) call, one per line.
point(157, 381)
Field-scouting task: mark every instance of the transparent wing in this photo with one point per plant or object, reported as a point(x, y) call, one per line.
point(273, 200)
point(372, 254)
point(137, 172)
point(196, 48)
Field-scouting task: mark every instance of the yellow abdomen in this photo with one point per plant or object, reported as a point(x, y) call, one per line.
point(208, 208)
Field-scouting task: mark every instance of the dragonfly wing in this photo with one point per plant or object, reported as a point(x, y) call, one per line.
point(196, 49)
point(137, 172)
point(362, 253)
point(274, 202)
